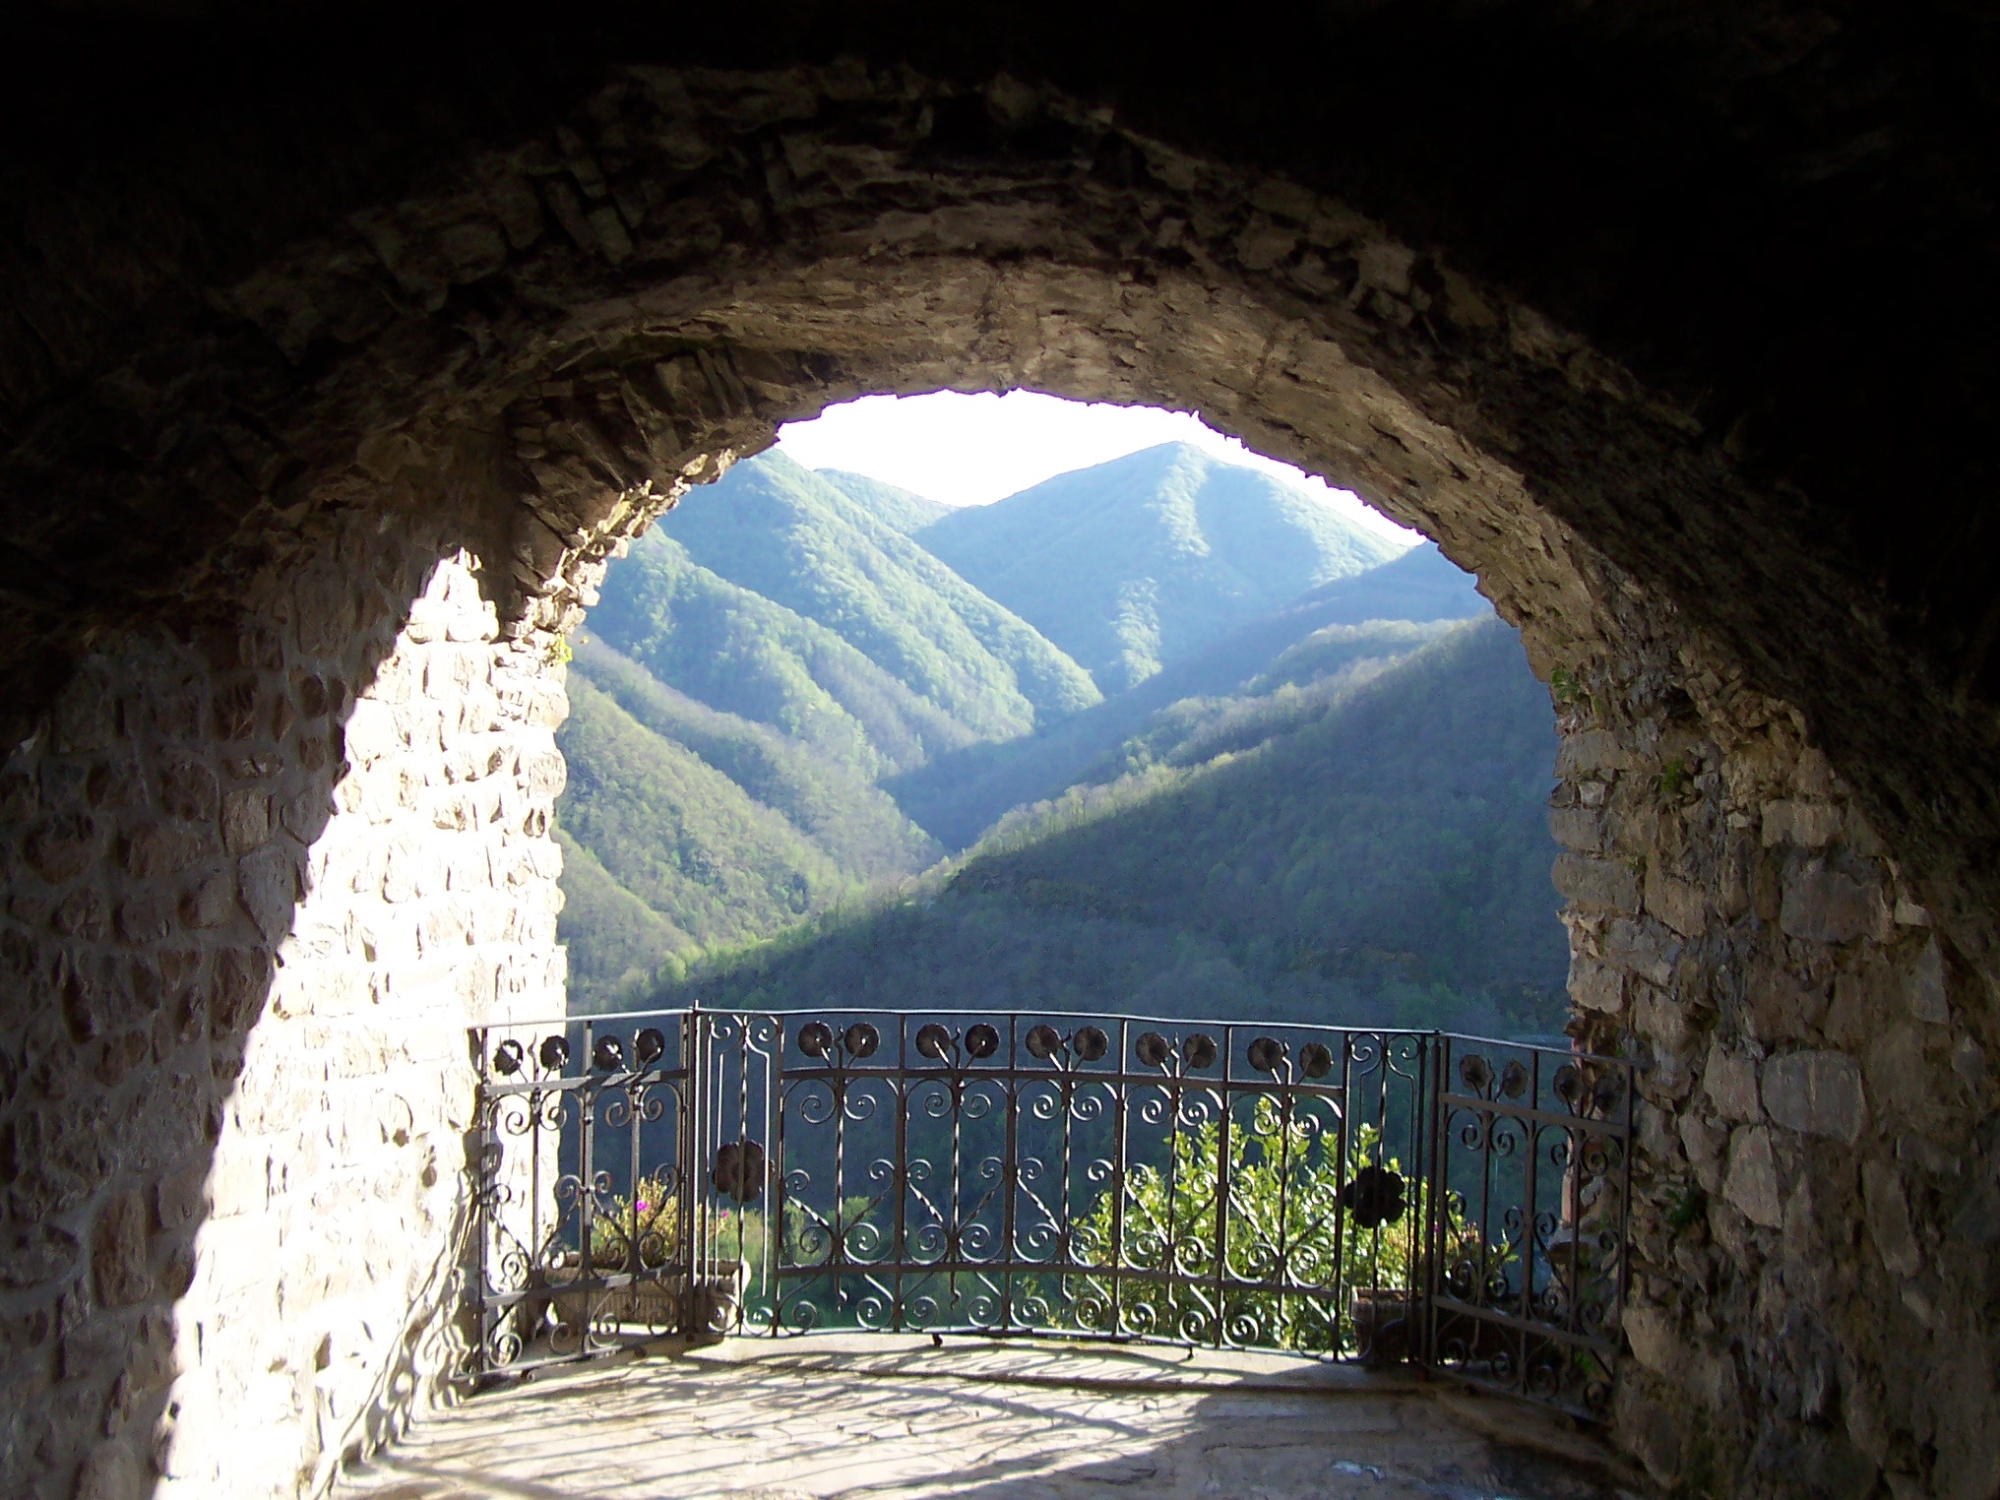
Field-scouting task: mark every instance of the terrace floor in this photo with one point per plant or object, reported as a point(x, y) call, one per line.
point(851, 1416)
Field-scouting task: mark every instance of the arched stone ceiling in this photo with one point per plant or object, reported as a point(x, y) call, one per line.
point(1595, 297)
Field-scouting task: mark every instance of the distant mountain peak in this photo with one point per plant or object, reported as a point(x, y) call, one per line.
point(1133, 563)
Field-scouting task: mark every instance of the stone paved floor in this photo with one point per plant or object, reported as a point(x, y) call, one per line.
point(823, 1418)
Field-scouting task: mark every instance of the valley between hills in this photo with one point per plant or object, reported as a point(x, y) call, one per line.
point(1163, 736)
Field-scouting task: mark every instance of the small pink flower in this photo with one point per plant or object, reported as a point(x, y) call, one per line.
point(643, 1205)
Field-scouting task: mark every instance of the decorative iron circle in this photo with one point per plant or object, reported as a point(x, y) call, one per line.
point(982, 1041)
point(1315, 1059)
point(1151, 1049)
point(934, 1042)
point(1373, 1196)
point(608, 1056)
point(1090, 1044)
point(816, 1039)
point(1267, 1054)
point(861, 1040)
point(1199, 1050)
point(1568, 1084)
point(649, 1046)
point(508, 1058)
point(1513, 1080)
point(739, 1171)
point(1042, 1042)
point(1475, 1073)
point(553, 1053)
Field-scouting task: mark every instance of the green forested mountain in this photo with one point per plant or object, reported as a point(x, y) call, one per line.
point(785, 710)
point(1374, 851)
point(1134, 563)
point(902, 509)
point(1375, 616)
point(854, 822)
point(685, 827)
point(748, 655)
point(788, 535)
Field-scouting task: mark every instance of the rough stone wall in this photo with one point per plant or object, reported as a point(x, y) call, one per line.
point(551, 332)
point(1811, 1310)
point(256, 885)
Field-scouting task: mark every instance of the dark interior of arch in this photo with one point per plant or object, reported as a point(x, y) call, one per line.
point(1781, 216)
point(1698, 288)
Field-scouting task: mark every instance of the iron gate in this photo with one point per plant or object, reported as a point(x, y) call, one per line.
point(1376, 1196)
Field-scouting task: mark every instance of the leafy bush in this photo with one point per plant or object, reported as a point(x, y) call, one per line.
point(640, 1232)
point(1286, 1221)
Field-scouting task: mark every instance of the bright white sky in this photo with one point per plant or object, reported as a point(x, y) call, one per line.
point(975, 449)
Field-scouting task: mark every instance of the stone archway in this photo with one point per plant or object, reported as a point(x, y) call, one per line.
point(465, 397)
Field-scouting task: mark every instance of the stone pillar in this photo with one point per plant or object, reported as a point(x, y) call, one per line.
point(1815, 1203)
point(257, 882)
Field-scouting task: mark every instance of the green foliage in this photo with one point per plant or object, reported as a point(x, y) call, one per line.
point(1674, 778)
point(1382, 857)
point(855, 823)
point(1284, 1207)
point(898, 508)
point(679, 835)
point(959, 796)
point(644, 1226)
point(743, 654)
point(616, 941)
point(1568, 691)
point(1139, 561)
point(1323, 812)
point(1685, 1209)
point(781, 530)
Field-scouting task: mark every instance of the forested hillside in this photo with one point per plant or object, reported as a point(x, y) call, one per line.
point(1352, 625)
point(786, 710)
point(1375, 851)
point(1134, 563)
point(787, 534)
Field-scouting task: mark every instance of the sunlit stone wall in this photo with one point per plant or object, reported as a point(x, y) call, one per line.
point(257, 884)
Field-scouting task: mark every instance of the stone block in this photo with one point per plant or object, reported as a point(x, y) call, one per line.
point(1809, 825)
point(1899, 1075)
point(1730, 1081)
point(211, 902)
point(1645, 948)
point(1752, 1184)
point(246, 819)
point(181, 1196)
point(1926, 992)
point(1679, 904)
point(61, 848)
point(1818, 1093)
point(1597, 882)
point(268, 884)
point(36, 1255)
point(111, 1472)
point(1888, 1213)
point(118, 1258)
point(1596, 986)
point(1705, 1144)
point(1825, 905)
point(1593, 750)
point(1579, 828)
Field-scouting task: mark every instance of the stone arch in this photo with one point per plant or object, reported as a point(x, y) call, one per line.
point(436, 420)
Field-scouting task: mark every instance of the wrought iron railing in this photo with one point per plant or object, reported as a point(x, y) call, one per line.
point(1380, 1196)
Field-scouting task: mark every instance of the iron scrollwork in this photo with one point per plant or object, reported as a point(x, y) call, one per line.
point(1350, 1194)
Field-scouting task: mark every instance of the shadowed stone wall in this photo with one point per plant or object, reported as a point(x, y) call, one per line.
point(257, 885)
point(1815, 1203)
